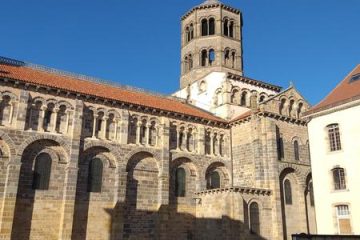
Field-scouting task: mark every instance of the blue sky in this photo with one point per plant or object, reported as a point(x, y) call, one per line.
point(313, 43)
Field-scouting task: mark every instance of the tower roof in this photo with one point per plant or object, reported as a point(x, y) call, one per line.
point(210, 2)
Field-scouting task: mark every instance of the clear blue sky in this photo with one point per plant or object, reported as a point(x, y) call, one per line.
point(313, 43)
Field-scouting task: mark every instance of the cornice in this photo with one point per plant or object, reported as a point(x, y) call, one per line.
point(114, 103)
point(207, 6)
point(253, 82)
point(241, 190)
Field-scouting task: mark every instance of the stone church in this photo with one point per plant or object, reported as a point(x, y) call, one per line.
point(225, 157)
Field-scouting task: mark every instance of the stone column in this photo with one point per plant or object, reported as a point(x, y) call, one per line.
point(53, 121)
point(124, 127)
point(41, 119)
point(104, 126)
point(138, 128)
point(115, 121)
point(147, 134)
point(94, 126)
point(211, 143)
point(11, 111)
point(67, 121)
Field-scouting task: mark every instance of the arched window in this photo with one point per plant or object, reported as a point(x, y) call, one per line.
point(291, 108)
point(299, 109)
point(186, 64)
point(311, 193)
point(191, 63)
point(190, 140)
point(204, 27)
point(152, 134)
point(262, 98)
point(211, 56)
point(231, 29)
point(339, 178)
point(187, 32)
point(182, 138)
point(243, 99)
point(207, 143)
point(61, 120)
point(191, 29)
point(235, 97)
point(203, 58)
point(287, 192)
point(47, 117)
point(99, 123)
point(254, 214)
point(226, 56)
point(211, 26)
point(281, 107)
point(225, 27)
point(95, 175)
point(143, 130)
point(213, 180)
point(221, 147)
point(334, 137)
point(233, 59)
point(42, 172)
point(132, 130)
point(296, 150)
point(5, 110)
point(180, 182)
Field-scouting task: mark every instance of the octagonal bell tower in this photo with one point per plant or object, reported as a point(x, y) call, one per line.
point(211, 41)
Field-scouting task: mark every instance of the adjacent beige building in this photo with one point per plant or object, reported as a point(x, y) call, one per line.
point(334, 133)
point(225, 157)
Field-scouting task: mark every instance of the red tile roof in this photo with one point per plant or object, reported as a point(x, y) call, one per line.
point(70, 83)
point(345, 91)
point(243, 116)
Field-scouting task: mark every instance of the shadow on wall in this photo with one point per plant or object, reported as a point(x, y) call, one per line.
point(156, 225)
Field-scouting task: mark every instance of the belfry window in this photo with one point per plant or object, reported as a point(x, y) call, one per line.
point(204, 27)
point(225, 27)
point(180, 182)
point(42, 172)
point(211, 56)
point(231, 29)
point(95, 175)
point(203, 58)
point(211, 26)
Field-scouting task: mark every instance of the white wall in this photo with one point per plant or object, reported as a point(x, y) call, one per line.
point(323, 161)
point(205, 100)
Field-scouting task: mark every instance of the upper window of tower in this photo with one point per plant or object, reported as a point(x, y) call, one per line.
point(228, 28)
point(208, 27)
point(189, 32)
point(204, 27)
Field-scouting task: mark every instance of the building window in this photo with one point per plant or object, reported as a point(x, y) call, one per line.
point(42, 172)
point(296, 150)
point(339, 178)
point(243, 99)
point(211, 26)
point(213, 180)
point(287, 192)
point(95, 175)
point(203, 58)
point(204, 27)
point(211, 56)
point(334, 137)
point(254, 214)
point(311, 193)
point(343, 219)
point(180, 182)
point(225, 27)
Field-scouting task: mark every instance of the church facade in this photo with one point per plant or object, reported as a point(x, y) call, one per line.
point(225, 157)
